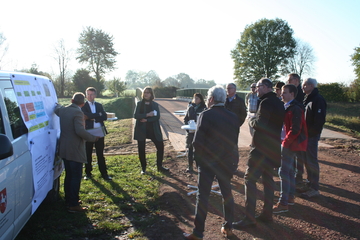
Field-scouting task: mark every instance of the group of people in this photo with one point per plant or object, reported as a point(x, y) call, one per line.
point(285, 133)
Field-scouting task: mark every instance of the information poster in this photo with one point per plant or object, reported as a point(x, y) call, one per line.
point(36, 97)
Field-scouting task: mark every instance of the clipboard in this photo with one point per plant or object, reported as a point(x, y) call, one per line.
point(98, 132)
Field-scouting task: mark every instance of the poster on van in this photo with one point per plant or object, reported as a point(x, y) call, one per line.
point(36, 97)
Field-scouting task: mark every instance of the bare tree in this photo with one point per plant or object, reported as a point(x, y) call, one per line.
point(3, 47)
point(303, 60)
point(62, 56)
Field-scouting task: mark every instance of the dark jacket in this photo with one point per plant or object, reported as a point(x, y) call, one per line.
point(300, 95)
point(237, 106)
point(215, 139)
point(295, 127)
point(191, 113)
point(267, 125)
point(140, 127)
point(94, 117)
point(315, 112)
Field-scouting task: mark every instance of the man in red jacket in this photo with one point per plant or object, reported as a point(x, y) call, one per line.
point(295, 140)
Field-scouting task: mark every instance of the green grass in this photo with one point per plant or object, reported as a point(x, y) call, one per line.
point(130, 200)
point(344, 117)
point(123, 107)
point(114, 128)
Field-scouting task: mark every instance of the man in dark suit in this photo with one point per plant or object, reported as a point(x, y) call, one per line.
point(96, 116)
point(72, 148)
point(265, 154)
point(214, 142)
point(235, 104)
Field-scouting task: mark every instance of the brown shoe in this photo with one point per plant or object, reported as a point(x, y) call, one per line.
point(191, 236)
point(279, 208)
point(77, 209)
point(227, 232)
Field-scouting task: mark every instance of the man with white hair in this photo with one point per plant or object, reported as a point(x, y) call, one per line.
point(214, 142)
point(315, 114)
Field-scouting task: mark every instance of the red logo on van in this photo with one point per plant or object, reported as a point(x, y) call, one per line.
point(3, 200)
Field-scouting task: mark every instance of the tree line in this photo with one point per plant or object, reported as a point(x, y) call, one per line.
point(266, 48)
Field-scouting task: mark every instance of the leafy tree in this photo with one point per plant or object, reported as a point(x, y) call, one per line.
point(3, 47)
point(34, 70)
point(171, 82)
point(185, 80)
point(202, 83)
point(83, 80)
point(355, 58)
point(62, 56)
point(333, 92)
point(354, 90)
point(116, 86)
point(131, 78)
point(263, 50)
point(97, 50)
point(303, 60)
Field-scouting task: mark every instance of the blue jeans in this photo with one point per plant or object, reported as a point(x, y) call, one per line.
point(312, 163)
point(73, 175)
point(287, 175)
point(205, 179)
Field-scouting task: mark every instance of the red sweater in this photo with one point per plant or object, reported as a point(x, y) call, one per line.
point(296, 137)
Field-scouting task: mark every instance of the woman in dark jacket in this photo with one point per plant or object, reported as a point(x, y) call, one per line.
point(147, 126)
point(196, 106)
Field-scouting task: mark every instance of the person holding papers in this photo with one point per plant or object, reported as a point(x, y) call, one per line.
point(72, 148)
point(95, 117)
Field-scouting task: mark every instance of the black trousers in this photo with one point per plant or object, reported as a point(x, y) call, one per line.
point(258, 165)
point(99, 147)
point(159, 153)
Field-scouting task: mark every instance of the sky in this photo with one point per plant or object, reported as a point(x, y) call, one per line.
point(171, 37)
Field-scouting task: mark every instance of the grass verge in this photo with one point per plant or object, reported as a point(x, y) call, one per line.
point(123, 207)
point(129, 201)
point(344, 117)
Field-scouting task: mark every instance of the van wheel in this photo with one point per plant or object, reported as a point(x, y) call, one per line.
point(53, 194)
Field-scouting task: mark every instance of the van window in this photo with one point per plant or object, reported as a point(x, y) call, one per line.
point(2, 130)
point(17, 124)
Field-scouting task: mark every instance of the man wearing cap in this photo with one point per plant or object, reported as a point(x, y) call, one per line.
point(251, 101)
point(278, 87)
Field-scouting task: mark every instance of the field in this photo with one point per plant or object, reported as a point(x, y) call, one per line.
point(156, 207)
point(344, 117)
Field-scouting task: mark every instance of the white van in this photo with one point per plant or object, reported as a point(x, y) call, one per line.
point(16, 168)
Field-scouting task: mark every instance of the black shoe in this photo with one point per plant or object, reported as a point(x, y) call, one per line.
point(263, 218)
point(163, 169)
point(107, 178)
point(87, 177)
point(245, 223)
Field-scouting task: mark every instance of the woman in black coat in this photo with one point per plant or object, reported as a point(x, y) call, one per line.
point(196, 106)
point(147, 126)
